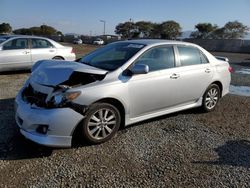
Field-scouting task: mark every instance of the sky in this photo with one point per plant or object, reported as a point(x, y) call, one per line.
point(83, 16)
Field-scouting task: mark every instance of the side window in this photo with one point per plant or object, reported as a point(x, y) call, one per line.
point(158, 58)
point(191, 56)
point(203, 58)
point(41, 43)
point(16, 44)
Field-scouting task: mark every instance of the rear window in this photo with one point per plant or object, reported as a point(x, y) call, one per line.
point(41, 43)
point(191, 56)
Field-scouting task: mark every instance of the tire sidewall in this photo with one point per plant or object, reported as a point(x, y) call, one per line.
point(93, 109)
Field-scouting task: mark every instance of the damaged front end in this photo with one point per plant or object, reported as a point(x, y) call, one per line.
point(50, 84)
point(58, 98)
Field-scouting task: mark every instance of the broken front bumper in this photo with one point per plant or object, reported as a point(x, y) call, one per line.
point(61, 123)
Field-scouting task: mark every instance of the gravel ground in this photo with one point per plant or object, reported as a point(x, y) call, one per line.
point(185, 149)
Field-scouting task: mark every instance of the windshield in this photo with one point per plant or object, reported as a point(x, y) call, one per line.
point(112, 56)
point(2, 39)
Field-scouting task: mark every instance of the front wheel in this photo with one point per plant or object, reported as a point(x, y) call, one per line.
point(101, 123)
point(211, 98)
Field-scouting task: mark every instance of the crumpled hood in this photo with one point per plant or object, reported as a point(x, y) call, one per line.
point(54, 72)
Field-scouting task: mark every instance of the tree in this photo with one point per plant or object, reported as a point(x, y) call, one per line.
point(219, 33)
point(126, 29)
point(144, 28)
point(170, 30)
point(47, 30)
point(235, 30)
point(5, 28)
point(43, 30)
point(203, 30)
point(166, 30)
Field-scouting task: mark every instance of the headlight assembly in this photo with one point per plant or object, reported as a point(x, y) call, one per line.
point(62, 98)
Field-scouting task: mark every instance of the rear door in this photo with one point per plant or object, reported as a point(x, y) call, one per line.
point(41, 49)
point(15, 54)
point(193, 75)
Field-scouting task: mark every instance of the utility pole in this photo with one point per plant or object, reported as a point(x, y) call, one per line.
point(104, 26)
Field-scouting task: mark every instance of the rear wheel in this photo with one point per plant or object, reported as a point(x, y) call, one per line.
point(101, 123)
point(211, 98)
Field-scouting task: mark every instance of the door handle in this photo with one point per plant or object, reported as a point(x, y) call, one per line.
point(174, 76)
point(208, 70)
point(51, 50)
point(26, 52)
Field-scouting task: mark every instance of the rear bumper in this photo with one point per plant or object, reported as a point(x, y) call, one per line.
point(61, 123)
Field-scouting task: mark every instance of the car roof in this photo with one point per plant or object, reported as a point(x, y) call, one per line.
point(21, 36)
point(156, 42)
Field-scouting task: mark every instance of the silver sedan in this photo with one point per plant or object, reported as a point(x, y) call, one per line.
point(21, 52)
point(117, 85)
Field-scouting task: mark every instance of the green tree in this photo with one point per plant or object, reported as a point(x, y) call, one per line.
point(235, 30)
point(144, 28)
point(47, 30)
point(43, 30)
point(203, 30)
point(219, 33)
point(126, 29)
point(5, 28)
point(22, 31)
point(170, 30)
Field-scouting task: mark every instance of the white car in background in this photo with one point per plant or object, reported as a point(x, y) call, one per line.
point(98, 41)
point(77, 41)
point(21, 52)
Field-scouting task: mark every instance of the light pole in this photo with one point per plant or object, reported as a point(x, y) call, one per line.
point(104, 25)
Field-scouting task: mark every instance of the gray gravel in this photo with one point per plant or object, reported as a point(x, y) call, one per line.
point(185, 149)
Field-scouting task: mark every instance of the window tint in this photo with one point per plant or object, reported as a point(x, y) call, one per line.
point(158, 58)
point(41, 43)
point(16, 44)
point(191, 56)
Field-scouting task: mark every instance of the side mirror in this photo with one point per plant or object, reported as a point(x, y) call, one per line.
point(140, 69)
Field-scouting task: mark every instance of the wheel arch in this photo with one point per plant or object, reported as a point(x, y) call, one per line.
point(58, 57)
point(118, 104)
point(218, 83)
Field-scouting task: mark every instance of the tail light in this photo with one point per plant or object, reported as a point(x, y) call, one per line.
point(230, 69)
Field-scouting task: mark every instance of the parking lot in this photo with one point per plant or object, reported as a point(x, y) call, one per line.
point(184, 149)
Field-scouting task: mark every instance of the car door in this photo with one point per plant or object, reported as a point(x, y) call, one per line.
point(193, 75)
point(15, 54)
point(154, 91)
point(41, 49)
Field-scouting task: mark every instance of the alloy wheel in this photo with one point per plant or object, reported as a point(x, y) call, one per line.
point(101, 123)
point(212, 98)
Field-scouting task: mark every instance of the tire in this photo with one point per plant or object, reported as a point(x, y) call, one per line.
point(57, 58)
point(101, 123)
point(211, 98)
